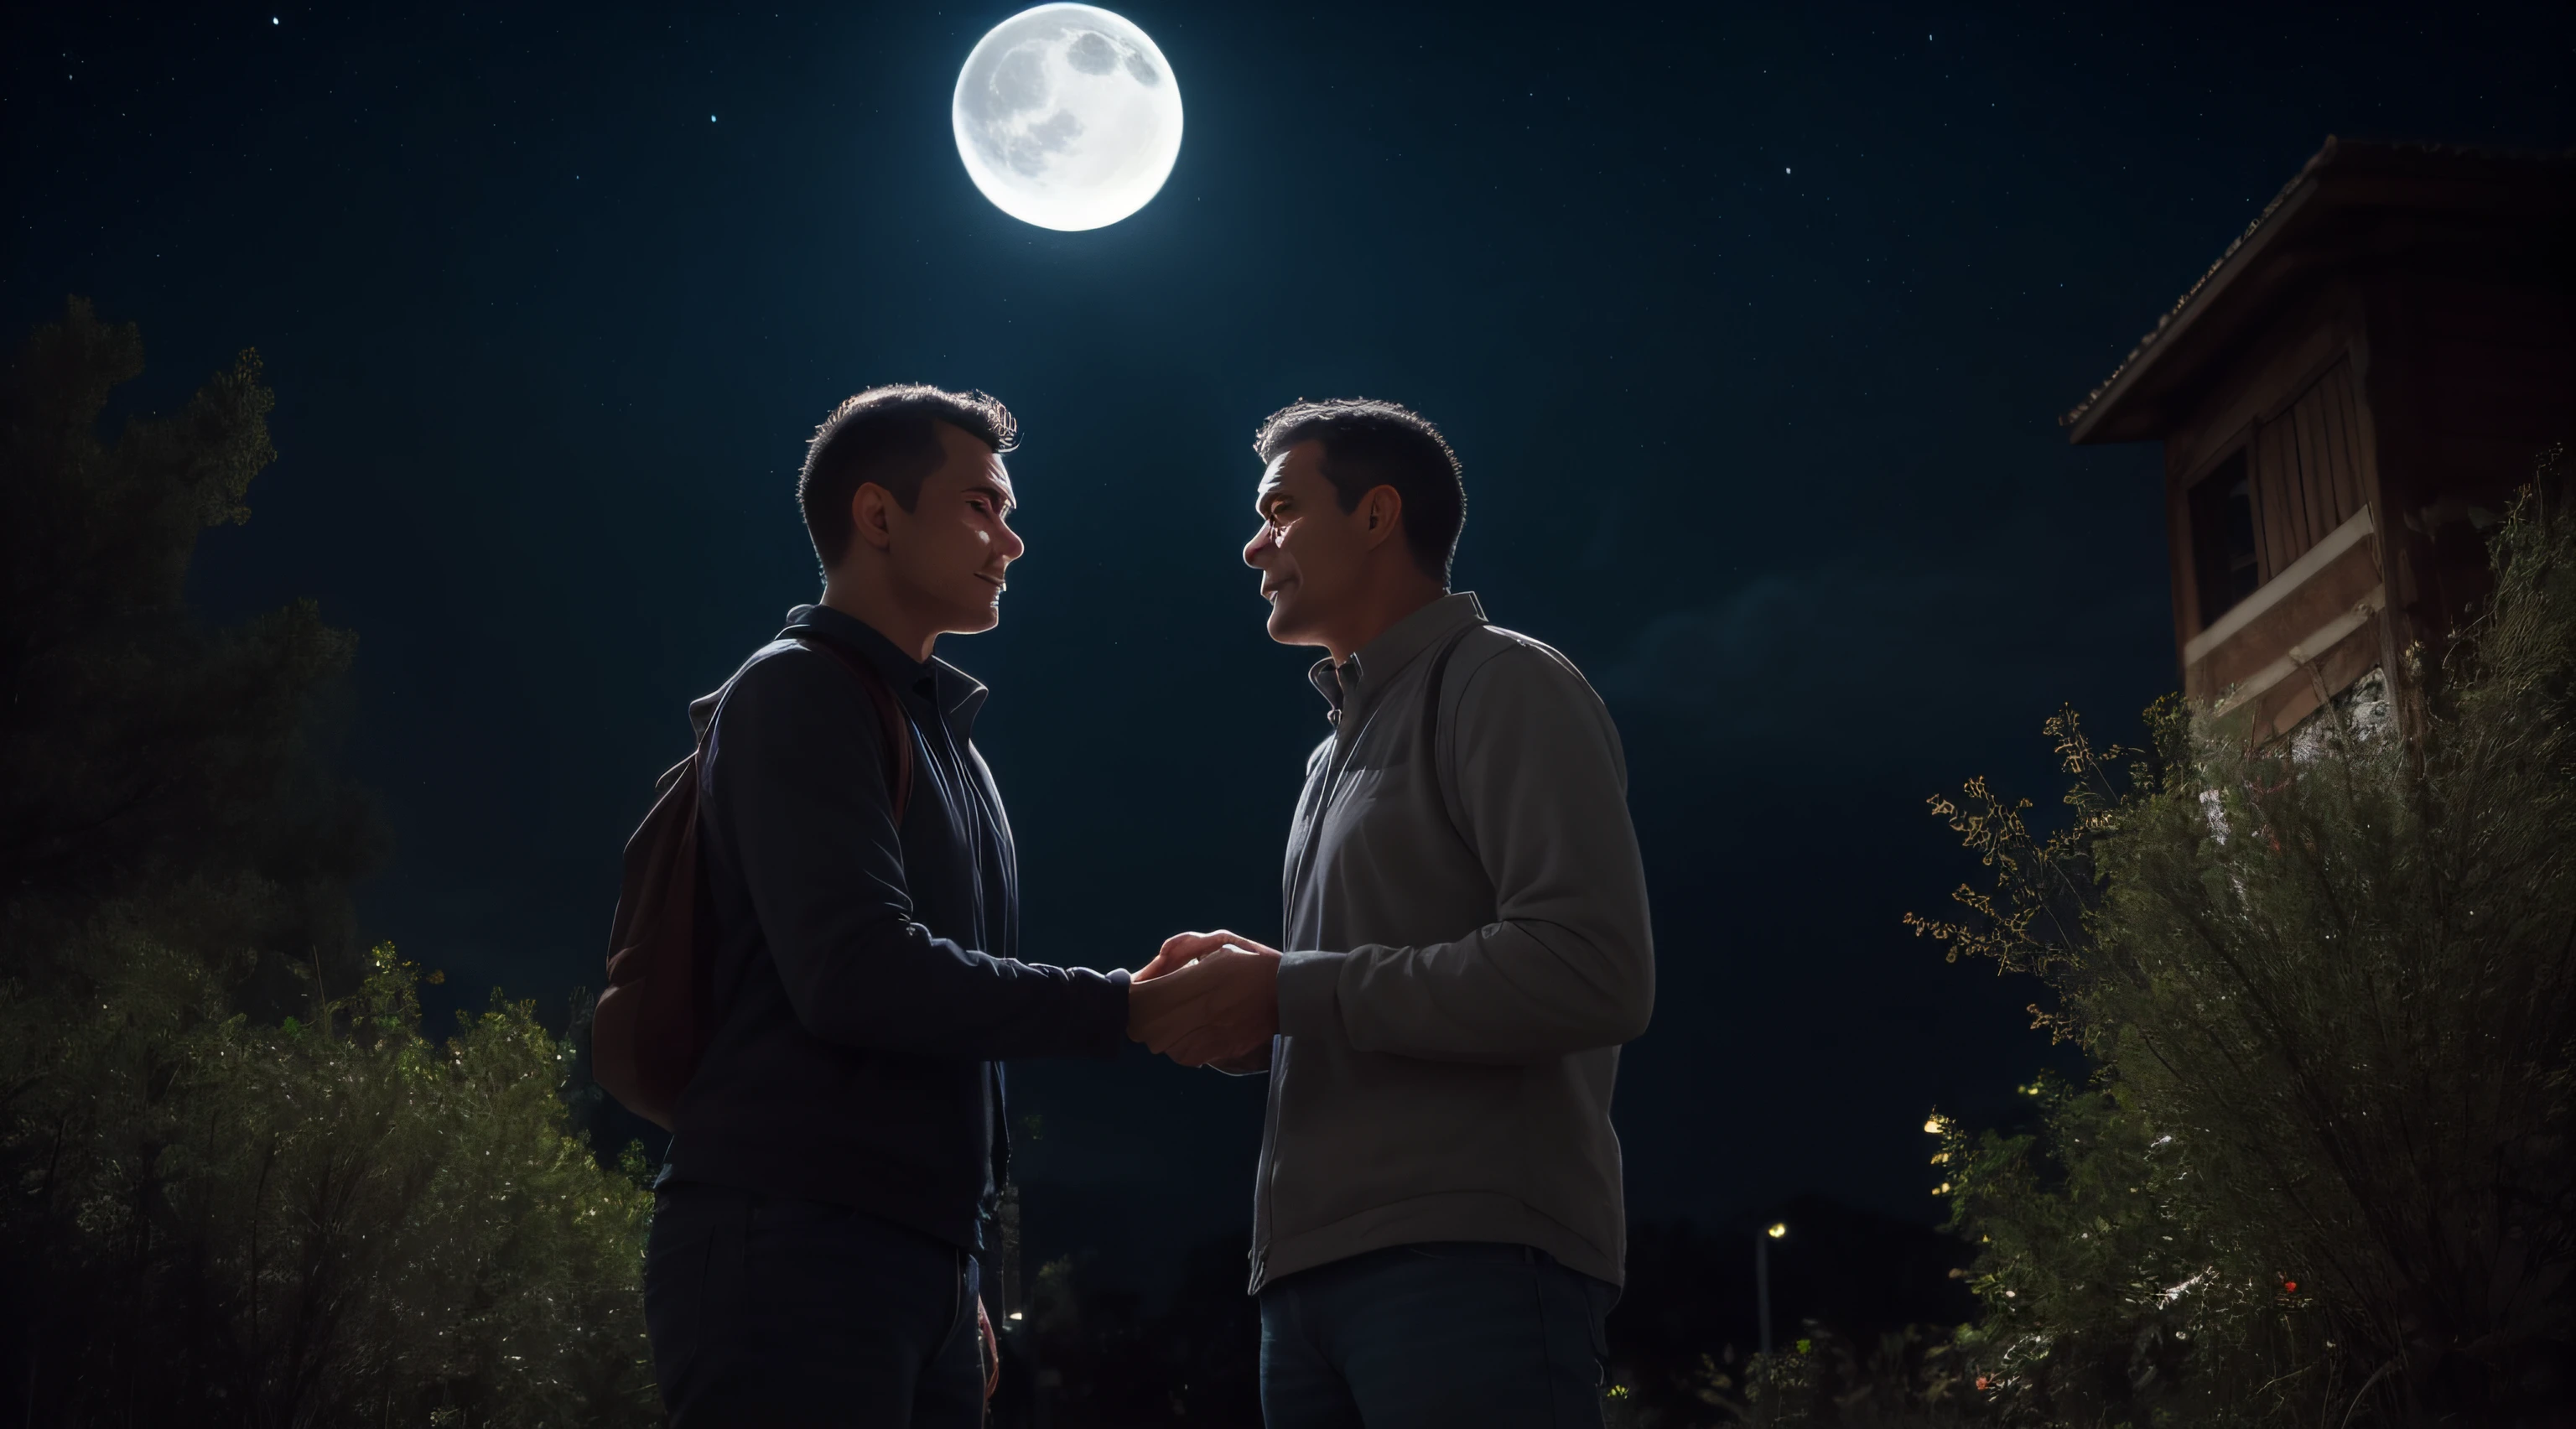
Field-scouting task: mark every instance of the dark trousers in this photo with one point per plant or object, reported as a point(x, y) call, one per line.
point(1434, 1336)
point(773, 1312)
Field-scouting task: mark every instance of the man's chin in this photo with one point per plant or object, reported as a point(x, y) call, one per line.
point(976, 619)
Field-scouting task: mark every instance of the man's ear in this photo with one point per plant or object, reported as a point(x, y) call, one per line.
point(1384, 509)
point(870, 514)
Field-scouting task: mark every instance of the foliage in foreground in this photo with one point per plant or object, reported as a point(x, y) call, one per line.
point(2330, 989)
point(238, 1185)
point(315, 1223)
point(1907, 1379)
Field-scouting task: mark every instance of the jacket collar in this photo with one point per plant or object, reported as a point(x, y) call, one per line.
point(930, 686)
point(1354, 683)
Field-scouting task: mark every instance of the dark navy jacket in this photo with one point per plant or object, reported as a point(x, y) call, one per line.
point(864, 973)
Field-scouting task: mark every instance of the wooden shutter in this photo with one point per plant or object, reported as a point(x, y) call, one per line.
point(2307, 468)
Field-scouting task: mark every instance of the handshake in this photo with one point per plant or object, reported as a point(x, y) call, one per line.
point(1208, 1000)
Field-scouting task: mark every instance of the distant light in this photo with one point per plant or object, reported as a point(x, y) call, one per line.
point(272, 19)
point(1018, 1315)
point(1778, 1229)
point(711, 119)
point(1932, 1126)
point(1788, 171)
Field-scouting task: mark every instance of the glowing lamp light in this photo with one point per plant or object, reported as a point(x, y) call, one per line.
point(1778, 1229)
point(1932, 1126)
point(1018, 1315)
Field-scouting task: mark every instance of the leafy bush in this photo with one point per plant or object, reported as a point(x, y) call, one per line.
point(2330, 987)
point(2108, 1293)
point(314, 1223)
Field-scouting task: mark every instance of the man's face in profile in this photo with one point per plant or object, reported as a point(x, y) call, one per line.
point(950, 552)
point(1307, 550)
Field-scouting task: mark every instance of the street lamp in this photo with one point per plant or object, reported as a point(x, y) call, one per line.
point(1762, 1295)
point(1762, 1278)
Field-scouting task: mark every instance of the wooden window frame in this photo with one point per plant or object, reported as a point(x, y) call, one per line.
point(2239, 444)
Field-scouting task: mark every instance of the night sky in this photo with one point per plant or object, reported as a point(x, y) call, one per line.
point(1751, 327)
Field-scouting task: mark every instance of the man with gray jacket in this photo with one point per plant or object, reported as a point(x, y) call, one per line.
point(1437, 1223)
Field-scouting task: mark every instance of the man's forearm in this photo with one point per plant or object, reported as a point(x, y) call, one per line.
point(896, 988)
point(1508, 992)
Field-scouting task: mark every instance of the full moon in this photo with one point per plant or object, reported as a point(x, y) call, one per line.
point(1068, 117)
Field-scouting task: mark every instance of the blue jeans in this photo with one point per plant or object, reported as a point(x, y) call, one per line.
point(1432, 1336)
point(772, 1312)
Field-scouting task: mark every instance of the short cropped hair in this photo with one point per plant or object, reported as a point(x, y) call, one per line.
point(1369, 444)
point(888, 435)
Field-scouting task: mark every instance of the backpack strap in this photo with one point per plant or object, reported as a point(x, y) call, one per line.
point(892, 723)
point(1433, 684)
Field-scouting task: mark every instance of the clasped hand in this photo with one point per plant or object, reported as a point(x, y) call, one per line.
point(1208, 999)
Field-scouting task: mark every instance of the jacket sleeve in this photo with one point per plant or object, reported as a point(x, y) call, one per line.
point(796, 782)
point(1568, 964)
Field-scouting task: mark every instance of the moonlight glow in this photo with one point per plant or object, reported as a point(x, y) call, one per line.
point(1068, 117)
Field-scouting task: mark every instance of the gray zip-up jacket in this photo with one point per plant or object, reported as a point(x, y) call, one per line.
point(1467, 946)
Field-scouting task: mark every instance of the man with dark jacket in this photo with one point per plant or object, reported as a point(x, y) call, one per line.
point(836, 1161)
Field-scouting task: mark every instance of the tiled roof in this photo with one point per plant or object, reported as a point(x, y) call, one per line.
point(2443, 160)
point(2315, 161)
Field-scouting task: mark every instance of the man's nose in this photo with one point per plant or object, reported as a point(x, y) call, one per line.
point(1012, 546)
point(1258, 549)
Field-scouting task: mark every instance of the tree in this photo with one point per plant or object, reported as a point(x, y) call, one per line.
point(243, 1187)
point(142, 754)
